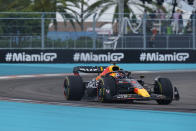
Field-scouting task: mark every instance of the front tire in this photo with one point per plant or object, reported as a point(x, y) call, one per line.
point(74, 88)
point(107, 89)
point(164, 87)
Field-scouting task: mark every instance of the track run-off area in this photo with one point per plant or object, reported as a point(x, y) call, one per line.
point(30, 101)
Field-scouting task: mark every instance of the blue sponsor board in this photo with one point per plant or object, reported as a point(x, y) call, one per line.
point(27, 69)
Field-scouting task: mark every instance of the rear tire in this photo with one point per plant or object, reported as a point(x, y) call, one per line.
point(107, 89)
point(164, 87)
point(74, 88)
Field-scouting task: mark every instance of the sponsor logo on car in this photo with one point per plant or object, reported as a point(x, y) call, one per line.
point(88, 69)
point(107, 91)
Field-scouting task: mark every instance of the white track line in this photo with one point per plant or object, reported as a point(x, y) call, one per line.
point(64, 74)
point(38, 102)
point(32, 76)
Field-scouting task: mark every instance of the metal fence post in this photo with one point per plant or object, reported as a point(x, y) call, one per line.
point(120, 17)
point(43, 30)
point(167, 41)
point(10, 42)
point(193, 29)
point(94, 31)
point(144, 31)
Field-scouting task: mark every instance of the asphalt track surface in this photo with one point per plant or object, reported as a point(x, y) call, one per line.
point(49, 90)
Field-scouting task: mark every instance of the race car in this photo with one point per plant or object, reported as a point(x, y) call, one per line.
point(115, 84)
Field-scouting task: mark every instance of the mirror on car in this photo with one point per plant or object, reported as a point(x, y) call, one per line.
point(141, 77)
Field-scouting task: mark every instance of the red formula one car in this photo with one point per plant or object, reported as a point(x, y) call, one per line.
point(113, 84)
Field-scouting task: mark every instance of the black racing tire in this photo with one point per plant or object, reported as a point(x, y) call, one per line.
point(91, 92)
point(164, 87)
point(107, 89)
point(74, 88)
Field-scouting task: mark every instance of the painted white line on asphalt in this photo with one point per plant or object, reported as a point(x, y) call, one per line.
point(64, 74)
point(37, 101)
point(33, 76)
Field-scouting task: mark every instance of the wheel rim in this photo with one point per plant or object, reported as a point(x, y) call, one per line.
point(66, 91)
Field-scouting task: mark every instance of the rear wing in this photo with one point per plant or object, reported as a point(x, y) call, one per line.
point(88, 69)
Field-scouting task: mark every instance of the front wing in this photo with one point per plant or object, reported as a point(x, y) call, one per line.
point(138, 97)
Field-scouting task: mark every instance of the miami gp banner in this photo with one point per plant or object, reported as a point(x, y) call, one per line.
point(96, 56)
